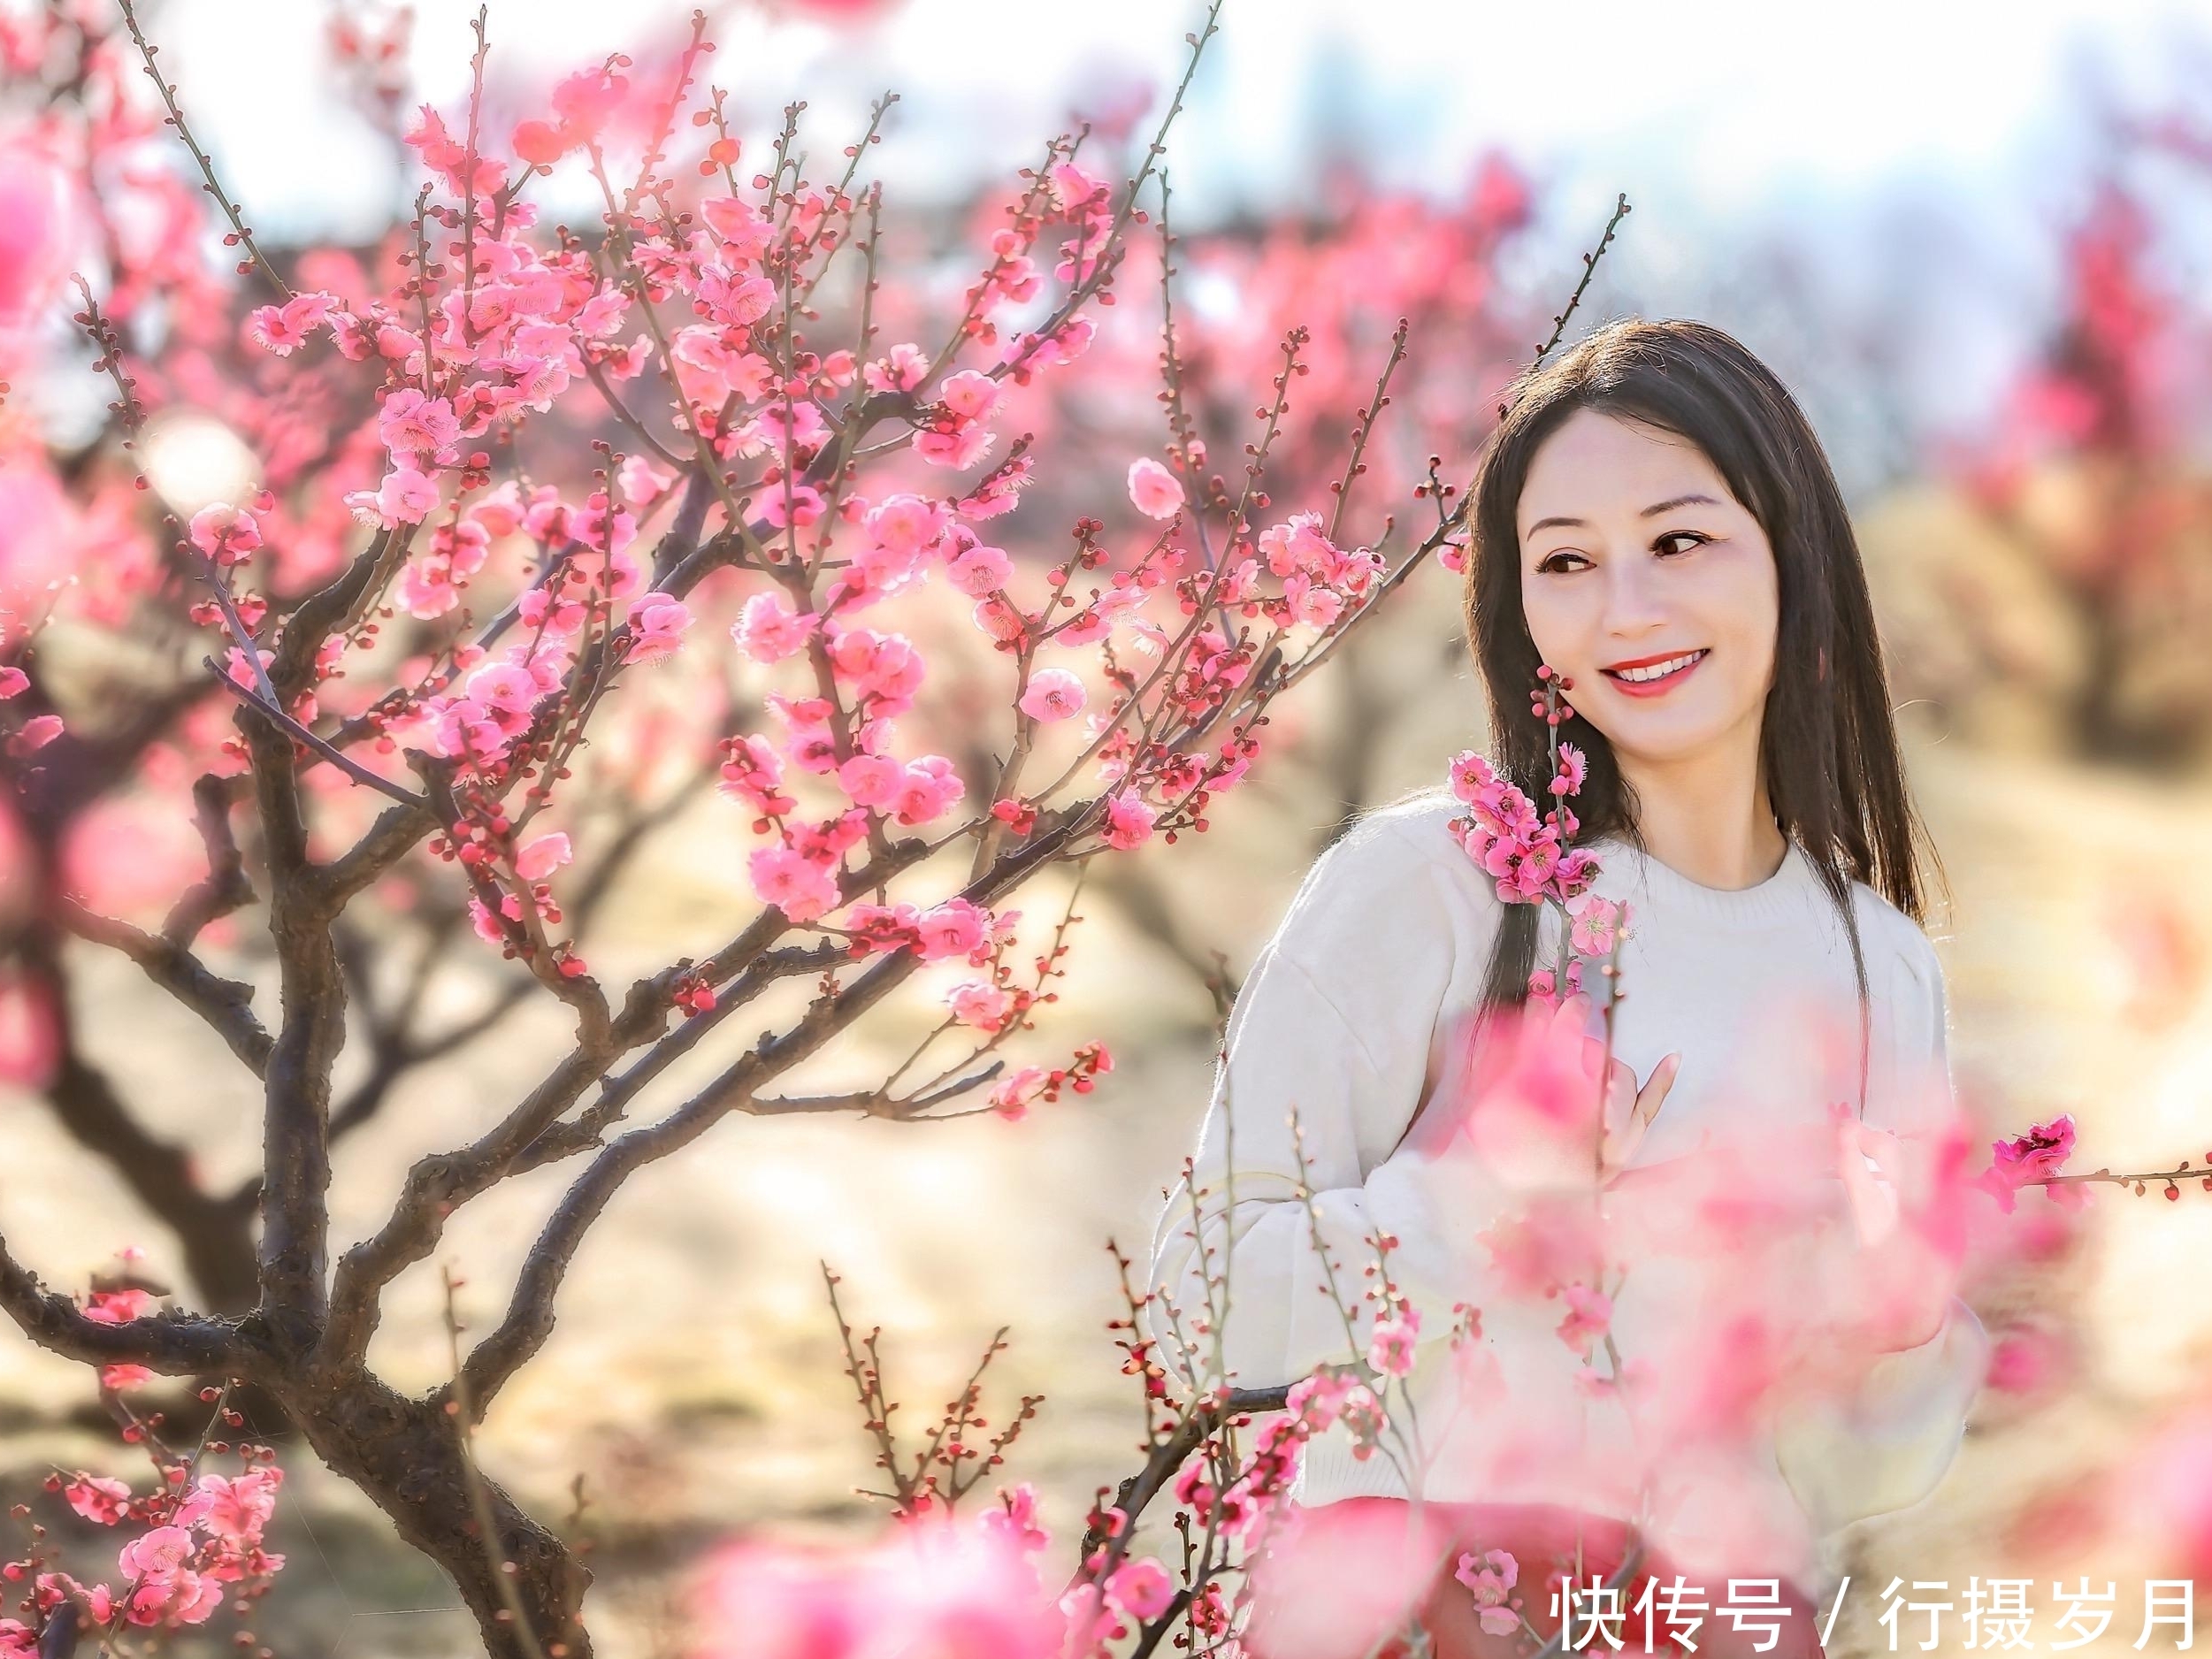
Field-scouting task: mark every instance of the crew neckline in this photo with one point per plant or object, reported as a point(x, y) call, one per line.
point(1637, 875)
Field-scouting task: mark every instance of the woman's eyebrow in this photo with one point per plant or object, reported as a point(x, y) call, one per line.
point(1652, 511)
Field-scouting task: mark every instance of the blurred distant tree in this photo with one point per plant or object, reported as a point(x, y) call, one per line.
point(2081, 589)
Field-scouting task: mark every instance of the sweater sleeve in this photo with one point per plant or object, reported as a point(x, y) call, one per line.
point(1886, 1442)
point(1338, 1021)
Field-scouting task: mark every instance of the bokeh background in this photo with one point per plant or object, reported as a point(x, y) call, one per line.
point(1976, 243)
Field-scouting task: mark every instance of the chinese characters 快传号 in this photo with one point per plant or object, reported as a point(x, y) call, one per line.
point(1988, 1613)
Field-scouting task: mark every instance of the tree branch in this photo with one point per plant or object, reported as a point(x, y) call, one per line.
point(225, 1005)
point(174, 1344)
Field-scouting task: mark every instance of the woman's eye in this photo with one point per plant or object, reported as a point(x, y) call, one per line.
point(1552, 567)
point(1695, 540)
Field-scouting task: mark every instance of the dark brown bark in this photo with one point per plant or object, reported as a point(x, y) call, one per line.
point(405, 1454)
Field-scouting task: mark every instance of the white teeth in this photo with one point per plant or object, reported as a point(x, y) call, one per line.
point(1657, 669)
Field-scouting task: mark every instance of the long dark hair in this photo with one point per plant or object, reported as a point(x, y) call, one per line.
point(1827, 747)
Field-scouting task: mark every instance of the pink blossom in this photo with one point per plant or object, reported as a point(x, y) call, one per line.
point(1589, 1315)
point(978, 570)
point(936, 1585)
point(905, 525)
point(984, 1006)
point(929, 786)
point(416, 427)
point(1317, 1399)
point(505, 687)
point(955, 927)
point(1491, 1576)
point(1344, 1577)
point(160, 1552)
point(1144, 1586)
point(901, 369)
point(743, 232)
point(801, 889)
point(98, 1499)
point(1574, 769)
point(1157, 492)
point(1595, 918)
point(1129, 819)
point(1015, 1519)
point(13, 682)
point(1310, 604)
point(657, 622)
point(175, 1597)
point(960, 448)
point(36, 733)
point(734, 300)
point(463, 729)
point(767, 630)
point(870, 780)
point(227, 534)
point(539, 858)
point(1052, 694)
point(2030, 1158)
point(33, 230)
point(404, 497)
point(116, 1378)
point(235, 1509)
point(587, 98)
point(283, 329)
point(795, 504)
point(971, 395)
point(1010, 1099)
point(117, 1307)
point(1390, 1347)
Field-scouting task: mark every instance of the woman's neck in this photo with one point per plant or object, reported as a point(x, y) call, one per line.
point(1717, 832)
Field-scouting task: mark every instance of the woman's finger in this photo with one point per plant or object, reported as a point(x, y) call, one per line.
point(1653, 1095)
point(1622, 1141)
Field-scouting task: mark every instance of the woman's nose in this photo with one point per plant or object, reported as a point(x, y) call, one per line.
point(1633, 604)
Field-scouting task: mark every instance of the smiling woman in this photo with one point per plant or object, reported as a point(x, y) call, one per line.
point(1655, 521)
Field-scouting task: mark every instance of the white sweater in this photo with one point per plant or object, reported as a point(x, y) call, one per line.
point(1346, 1014)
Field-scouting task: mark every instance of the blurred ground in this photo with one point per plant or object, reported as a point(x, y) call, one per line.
point(696, 1378)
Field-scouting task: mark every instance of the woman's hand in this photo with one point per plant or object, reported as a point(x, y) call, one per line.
point(1629, 1108)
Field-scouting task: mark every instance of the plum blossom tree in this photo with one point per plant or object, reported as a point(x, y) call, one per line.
point(528, 515)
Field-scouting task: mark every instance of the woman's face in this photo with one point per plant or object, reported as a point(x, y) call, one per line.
point(1632, 552)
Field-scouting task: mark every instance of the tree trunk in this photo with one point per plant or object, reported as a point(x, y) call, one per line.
point(407, 1457)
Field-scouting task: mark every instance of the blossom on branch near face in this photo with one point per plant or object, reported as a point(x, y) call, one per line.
point(1512, 842)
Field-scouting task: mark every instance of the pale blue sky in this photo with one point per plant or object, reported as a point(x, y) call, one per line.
point(1914, 151)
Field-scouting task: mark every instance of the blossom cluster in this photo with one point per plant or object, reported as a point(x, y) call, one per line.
point(198, 1544)
point(1527, 853)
